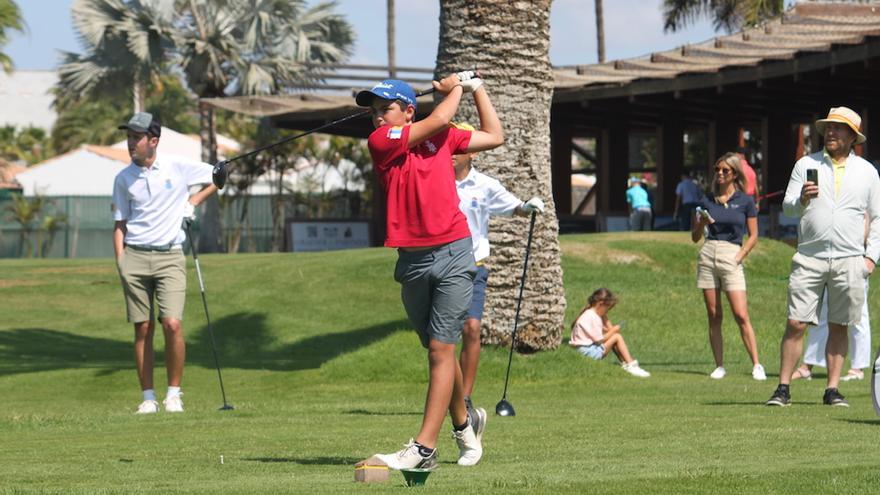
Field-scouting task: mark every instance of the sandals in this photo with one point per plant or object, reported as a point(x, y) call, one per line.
point(802, 374)
point(853, 374)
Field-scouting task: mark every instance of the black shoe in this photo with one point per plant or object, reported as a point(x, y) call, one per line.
point(780, 398)
point(832, 397)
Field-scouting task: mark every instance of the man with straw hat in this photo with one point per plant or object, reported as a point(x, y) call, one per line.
point(832, 191)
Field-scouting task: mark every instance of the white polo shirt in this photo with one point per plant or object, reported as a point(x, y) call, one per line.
point(151, 200)
point(833, 225)
point(479, 197)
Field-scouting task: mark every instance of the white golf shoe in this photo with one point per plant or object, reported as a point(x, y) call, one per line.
point(634, 369)
point(148, 407)
point(470, 450)
point(173, 403)
point(758, 373)
point(409, 458)
point(718, 373)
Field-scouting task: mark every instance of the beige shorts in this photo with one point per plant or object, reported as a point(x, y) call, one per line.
point(149, 275)
point(843, 278)
point(717, 267)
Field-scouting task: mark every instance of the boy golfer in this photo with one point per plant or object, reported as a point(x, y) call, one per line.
point(480, 196)
point(150, 200)
point(435, 264)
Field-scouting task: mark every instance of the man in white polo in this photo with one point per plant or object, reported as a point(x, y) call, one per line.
point(831, 191)
point(480, 197)
point(150, 200)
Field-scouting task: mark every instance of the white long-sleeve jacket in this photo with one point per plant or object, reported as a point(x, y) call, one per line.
point(834, 226)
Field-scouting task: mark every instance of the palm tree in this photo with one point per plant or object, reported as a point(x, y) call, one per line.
point(392, 58)
point(521, 89)
point(125, 43)
point(10, 19)
point(729, 15)
point(25, 211)
point(246, 47)
point(600, 30)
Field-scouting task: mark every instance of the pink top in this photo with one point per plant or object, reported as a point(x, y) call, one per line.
point(587, 330)
point(750, 176)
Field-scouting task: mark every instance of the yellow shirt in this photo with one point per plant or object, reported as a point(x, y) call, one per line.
point(839, 167)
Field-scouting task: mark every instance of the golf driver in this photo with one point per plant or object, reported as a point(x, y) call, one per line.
point(504, 407)
point(192, 247)
point(221, 172)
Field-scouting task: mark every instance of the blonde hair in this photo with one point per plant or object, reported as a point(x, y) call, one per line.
point(733, 161)
point(602, 295)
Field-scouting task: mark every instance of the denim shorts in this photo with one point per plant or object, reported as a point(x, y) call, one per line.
point(478, 300)
point(592, 351)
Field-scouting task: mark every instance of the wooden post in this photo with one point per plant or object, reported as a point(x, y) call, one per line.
point(560, 163)
point(780, 143)
point(671, 162)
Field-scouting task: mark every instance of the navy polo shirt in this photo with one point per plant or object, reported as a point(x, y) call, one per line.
point(730, 218)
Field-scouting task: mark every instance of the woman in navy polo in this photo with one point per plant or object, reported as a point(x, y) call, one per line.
point(727, 213)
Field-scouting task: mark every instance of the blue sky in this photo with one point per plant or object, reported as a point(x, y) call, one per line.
point(632, 28)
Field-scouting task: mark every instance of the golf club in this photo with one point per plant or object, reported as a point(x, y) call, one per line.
point(192, 247)
point(504, 407)
point(221, 172)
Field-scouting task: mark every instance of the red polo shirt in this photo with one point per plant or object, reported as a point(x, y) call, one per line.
point(419, 183)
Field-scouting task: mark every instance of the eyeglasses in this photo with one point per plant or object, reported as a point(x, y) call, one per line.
point(723, 171)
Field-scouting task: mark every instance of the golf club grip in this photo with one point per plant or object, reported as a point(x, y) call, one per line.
point(432, 89)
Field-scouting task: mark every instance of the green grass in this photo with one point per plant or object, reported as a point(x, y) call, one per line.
point(323, 371)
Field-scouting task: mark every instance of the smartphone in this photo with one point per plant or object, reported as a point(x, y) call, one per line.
point(813, 175)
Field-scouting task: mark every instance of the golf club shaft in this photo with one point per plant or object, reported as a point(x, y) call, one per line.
point(312, 131)
point(192, 248)
point(522, 285)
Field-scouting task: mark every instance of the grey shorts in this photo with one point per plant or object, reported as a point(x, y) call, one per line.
point(843, 278)
point(153, 275)
point(436, 288)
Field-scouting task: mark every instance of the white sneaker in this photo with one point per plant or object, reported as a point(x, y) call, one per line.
point(469, 448)
point(758, 373)
point(634, 369)
point(173, 403)
point(409, 458)
point(720, 373)
point(148, 407)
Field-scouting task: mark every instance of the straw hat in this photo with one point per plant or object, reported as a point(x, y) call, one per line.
point(845, 116)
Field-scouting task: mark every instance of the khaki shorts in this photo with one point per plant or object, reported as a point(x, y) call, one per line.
point(717, 267)
point(149, 274)
point(843, 278)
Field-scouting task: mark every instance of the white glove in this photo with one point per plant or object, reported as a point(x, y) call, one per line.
point(466, 75)
point(189, 211)
point(533, 205)
point(471, 85)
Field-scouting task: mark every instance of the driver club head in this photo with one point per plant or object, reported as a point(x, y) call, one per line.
point(225, 407)
point(504, 408)
point(220, 174)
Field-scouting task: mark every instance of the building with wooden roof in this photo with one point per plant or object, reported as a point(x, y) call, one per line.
point(661, 114)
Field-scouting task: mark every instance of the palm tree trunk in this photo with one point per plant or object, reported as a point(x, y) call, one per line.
point(484, 34)
point(600, 30)
point(209, 235)
point(392, 59)
point(138, 96)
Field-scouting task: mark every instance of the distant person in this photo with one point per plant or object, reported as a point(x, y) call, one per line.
point(752, 188)
point(724, 217)
point(593, 335)
point(831, 191)
point(639, 206)
point(480, 197)
point(687, 196)
point(150, 201)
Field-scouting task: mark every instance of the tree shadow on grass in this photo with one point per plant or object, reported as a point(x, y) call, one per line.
point(365, 412)
point(868, 422)
point(243, 341)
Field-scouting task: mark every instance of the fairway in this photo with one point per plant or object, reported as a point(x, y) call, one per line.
point(323, 370)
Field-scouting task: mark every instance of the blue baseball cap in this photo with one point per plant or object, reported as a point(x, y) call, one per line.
point(389, 89)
